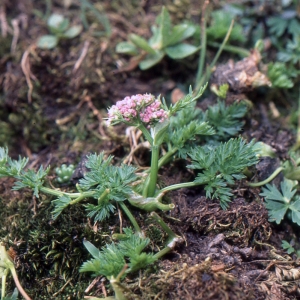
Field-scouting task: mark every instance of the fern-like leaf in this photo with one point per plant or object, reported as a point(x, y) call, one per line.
point(101, 211)
point(111, 259)
point(59, 205)
point(222, 165)
point(226, 120)
point(31, 179)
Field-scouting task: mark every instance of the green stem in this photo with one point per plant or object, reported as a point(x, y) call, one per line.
point(58, 193)
point(116, 285)
point(146, 133)
point(173, 238)
point(150, 186)
point(297, 144)
point(211, 66)
point(179, 186)
point(78, 199)
point(103, 196)
point(150, 203)
point(162, 252)
point(166, 158)
point(130, 217)
point(203, 46)
point(163, 225)
point(71, 195)
point(3, 288)
point(233, 49)
point(48, 9)
point(122, 272)
point(270, 178)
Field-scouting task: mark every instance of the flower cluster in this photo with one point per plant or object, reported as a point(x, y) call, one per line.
point(138, 107)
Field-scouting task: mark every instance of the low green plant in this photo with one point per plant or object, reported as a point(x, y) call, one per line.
point(220, 21)
point(288, 247)
point(282, 203)
point(178, 130)
point(286, 201)
point(217, 165)
point(60, 28)
point(287, 23)
point(110, 261)
point(280, 76)
point(226, 120)
point(291, 53)
point(116, 260)
point(166, 40)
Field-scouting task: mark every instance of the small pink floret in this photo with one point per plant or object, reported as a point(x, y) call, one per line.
point(144, 107)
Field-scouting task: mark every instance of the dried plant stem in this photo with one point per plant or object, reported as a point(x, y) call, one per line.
point(18, 285)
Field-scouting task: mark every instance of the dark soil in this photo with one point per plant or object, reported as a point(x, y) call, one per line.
point(232, 254)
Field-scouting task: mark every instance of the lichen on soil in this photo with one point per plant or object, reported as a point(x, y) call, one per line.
point(232, 254)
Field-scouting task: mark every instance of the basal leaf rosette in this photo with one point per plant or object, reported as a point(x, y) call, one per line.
point(137, 109)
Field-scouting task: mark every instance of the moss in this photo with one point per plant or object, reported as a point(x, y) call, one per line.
point(49, 253)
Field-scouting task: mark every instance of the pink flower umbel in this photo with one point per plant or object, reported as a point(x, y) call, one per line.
point(136, 108)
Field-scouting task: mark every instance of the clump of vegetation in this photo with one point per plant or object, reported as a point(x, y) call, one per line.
point(217, 167)
point(60, 28)
point(204, 142)
point(166, 40)
point(289, 247)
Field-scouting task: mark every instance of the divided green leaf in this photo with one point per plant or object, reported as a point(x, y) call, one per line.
point(220, 24)
point(221, 165)
point(31, 179)
point(287, 246)
point(59, 205)
point(110, 260)
point(279, 75)
point(101, 177)
point(279, 203)
point(226, 120)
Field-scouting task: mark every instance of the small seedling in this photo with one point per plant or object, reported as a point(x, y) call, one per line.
point(59, 26)
point(288, 247)
point(166, 40)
